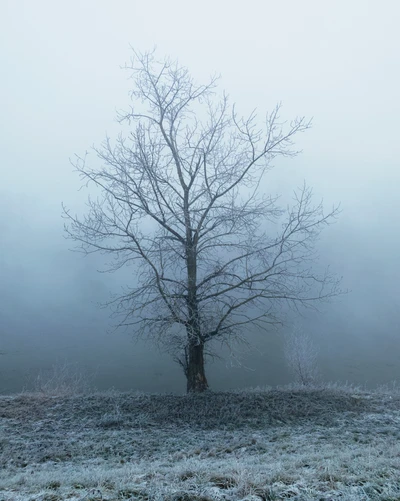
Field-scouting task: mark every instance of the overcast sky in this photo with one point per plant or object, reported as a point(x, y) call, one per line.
point(337, 62)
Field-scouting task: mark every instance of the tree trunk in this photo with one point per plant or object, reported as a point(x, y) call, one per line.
point(194, 351)
point(195, 374)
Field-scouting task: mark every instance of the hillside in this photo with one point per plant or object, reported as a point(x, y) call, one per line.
point(299, 444)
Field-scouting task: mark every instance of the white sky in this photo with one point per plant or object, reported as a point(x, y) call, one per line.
point(336, 61)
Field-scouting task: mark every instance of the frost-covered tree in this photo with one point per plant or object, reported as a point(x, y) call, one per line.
point(182, 198)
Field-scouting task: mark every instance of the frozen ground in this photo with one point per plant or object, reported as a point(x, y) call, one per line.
point(316, 444)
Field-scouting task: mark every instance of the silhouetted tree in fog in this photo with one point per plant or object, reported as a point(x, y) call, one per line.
point(180, 196)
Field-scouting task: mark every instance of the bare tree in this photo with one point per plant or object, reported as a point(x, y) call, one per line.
point(180, 196)
point(301, 357)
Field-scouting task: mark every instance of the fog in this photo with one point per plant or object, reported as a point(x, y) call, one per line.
point(62, 84)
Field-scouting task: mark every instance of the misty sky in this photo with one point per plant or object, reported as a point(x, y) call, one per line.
point(61, 84)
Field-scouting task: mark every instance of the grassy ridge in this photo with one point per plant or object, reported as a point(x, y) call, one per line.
point(288, 443)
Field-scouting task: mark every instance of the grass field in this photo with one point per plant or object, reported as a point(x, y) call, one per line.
point(326, 443)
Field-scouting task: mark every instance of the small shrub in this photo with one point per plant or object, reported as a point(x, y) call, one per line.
point(301, 357)
point(61, 380)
